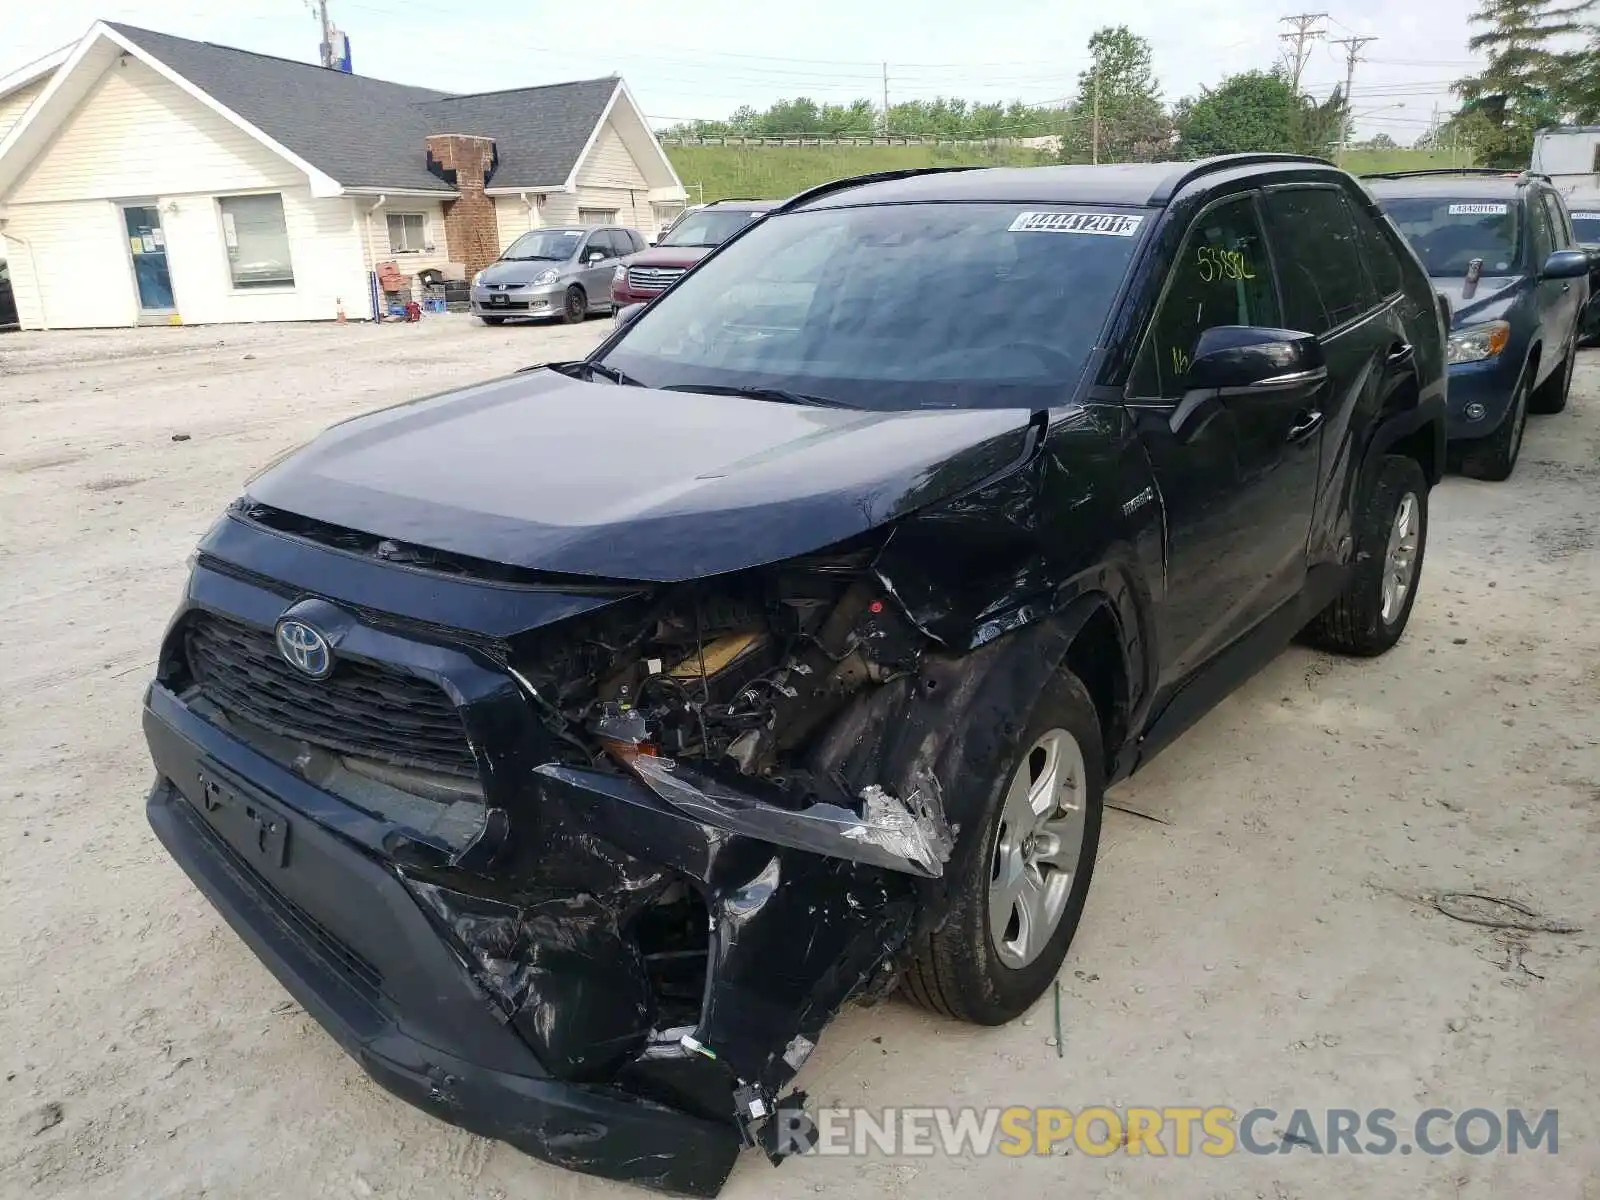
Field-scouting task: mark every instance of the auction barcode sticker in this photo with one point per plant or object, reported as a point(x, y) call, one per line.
point(1586, 216)
point(1479, 210)
point(1107, 224)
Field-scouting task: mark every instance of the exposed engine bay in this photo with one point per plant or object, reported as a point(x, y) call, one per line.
point(711, 693)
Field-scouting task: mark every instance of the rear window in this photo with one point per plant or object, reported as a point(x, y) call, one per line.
point(895, 307)
point(1449, 232)
point(708, 227)
point(1586, 224)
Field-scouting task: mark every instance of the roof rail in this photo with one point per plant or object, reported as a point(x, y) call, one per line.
point(1498, 172)
point(839, 185)
point(1175, 182)
point(738, 200)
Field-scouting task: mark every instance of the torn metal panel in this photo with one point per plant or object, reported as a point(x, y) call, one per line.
point(902, 835)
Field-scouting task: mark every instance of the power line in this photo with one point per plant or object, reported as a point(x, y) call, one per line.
point(1352, 46)
point(1300, 37)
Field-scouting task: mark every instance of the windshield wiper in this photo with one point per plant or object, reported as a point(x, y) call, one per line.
point(620, 378)
point(782, 395)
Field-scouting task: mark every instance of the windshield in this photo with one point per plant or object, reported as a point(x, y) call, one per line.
point(893, 307)
point(552, 245)
point(707, 228)
point(1586, 224)
point(1448, 234)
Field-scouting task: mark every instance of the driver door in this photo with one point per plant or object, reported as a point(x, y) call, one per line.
point(1238, 490)
point(595, 272)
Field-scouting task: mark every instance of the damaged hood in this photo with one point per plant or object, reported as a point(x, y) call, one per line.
point(1494, 294)
point(545, 472)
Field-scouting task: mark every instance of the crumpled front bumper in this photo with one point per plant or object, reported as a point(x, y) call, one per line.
point(334, 900)
point(349, 942)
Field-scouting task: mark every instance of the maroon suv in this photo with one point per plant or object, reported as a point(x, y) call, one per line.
point(645, 275)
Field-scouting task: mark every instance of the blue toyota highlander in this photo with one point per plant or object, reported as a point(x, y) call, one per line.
point(1500, 249)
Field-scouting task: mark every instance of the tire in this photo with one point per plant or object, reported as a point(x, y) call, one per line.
point(1551, 395)
point(959, 970)
point(1493, 458)
point(1368, 617)
point(492, 320)
point(575, 307)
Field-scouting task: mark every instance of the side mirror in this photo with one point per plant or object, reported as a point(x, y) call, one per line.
point(628, 312)
point(1243, 359)
point(1247, 356)
point(1565, 264)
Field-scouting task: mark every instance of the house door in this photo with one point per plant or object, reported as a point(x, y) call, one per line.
point(147, 247)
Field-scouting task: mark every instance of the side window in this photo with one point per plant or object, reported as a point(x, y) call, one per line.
point(1378, 252)
point(1320, 264)
point(1543, 235)
point(1558, 221)
point(1221, 277)
point(598, 240)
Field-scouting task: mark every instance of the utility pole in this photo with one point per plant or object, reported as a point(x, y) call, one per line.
point(1300, 37)
point(885, 99)
point(327, 33)
point(1094, 137)
point(1352, 55)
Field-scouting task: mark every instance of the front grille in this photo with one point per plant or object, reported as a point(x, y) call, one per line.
point(652, 279)
point(359, 709)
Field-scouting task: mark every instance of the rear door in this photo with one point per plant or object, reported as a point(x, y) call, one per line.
point(1566, 296)
point(1329, 292)
point(1238, 494)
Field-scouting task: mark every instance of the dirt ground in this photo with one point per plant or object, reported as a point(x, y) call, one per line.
point(1268, 938)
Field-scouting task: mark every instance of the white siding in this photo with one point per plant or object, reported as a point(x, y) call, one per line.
point(560, 208)
point(137, 135)
point(515, 219)
point(13, 106)
point(611, 179)
point(410, 262)
point(84, 276)
point(324, 251)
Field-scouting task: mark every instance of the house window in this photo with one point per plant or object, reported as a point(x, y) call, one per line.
point(408, 233)
point(597, 216)
point(257, 240)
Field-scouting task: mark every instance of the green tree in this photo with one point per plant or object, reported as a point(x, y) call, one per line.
point(1259, 110)
point(1530, 80)
point(1254, 110)
point(1119, 99)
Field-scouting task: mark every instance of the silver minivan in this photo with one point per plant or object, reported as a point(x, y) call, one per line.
point(562, 272)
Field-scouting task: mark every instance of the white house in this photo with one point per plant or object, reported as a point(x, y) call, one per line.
point(146, 178)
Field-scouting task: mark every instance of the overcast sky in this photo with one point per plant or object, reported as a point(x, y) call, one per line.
point(703, 58)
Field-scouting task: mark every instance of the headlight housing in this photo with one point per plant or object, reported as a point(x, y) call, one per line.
point(1477, 342)
point(549, 275)
point(619, 275)
point(477, 280)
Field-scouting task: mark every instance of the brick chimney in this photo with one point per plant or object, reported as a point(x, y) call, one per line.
point(467, 161)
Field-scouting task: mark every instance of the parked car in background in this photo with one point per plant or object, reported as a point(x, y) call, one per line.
point(574, 746)
point(8, 299)
point(692, 236)
point(1583, 206)
point(562, 272)
point(1500, 248)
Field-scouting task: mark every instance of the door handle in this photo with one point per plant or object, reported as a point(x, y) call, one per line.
point(1401, 355)
point(1306, 425)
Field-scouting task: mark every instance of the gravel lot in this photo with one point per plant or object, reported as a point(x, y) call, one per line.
point(1267, 939)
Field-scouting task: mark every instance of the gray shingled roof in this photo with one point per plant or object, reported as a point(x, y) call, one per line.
point(539, 131)
point(370, 133)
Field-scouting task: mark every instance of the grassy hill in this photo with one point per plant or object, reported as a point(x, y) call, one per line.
point(781, 171)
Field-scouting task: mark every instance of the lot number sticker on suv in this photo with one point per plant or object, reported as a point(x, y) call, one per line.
point(1108, 224)
point(1479, 210)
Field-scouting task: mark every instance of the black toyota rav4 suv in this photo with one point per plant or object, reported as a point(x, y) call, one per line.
point(572, 746)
